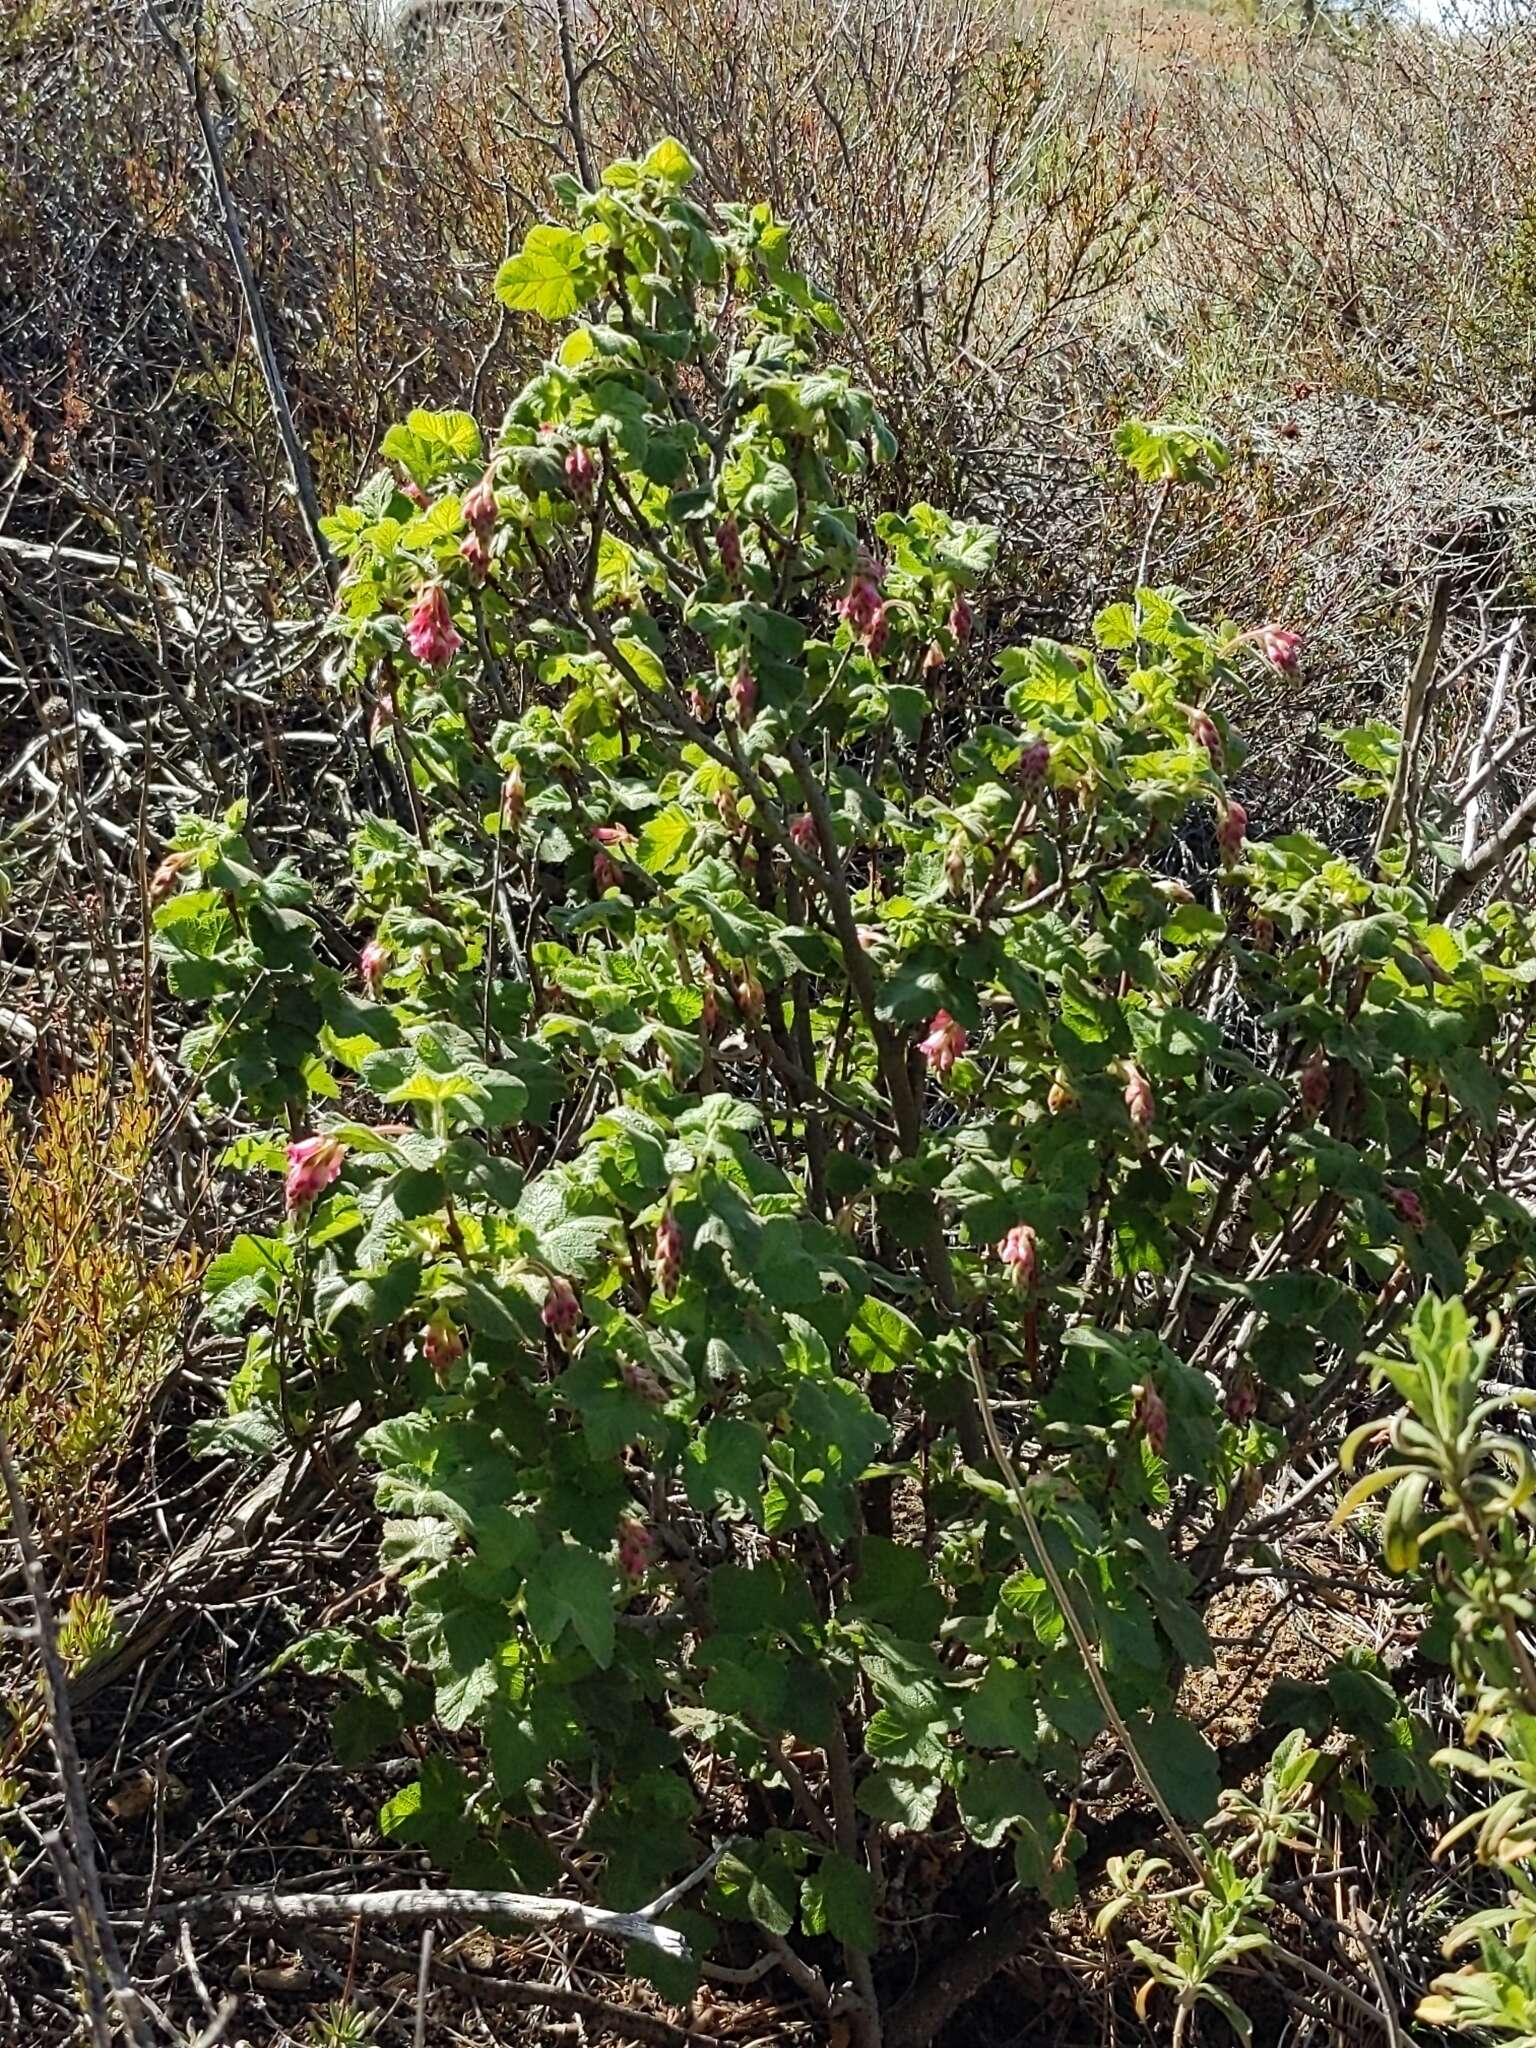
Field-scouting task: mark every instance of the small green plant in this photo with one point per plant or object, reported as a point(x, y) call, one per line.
point(838, 1161)
point(1460, 1482)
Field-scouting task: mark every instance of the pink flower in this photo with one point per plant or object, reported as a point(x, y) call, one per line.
point(944, 1044)
point(561, 1313)
point(1231, 831)
point(669, 1254)
point(313, 1163)
point(744, 697)
point(1242, 1401)
point(474, 552)
point(1034, 763)
point(430, 632)
point(441, 1345)
point(382, 719)
point(877, 632)
point(479, 506)
point(728, 541)
point(415, 493)
point(1140, 1103)
point(373, 965)
point(1408, 1206)
point(514, 797)
point(962, 619)
point(1280, 647)
point(803, 832)
point(580, 471)
point(1018, 1252)
point(613, 835)
point(606, 874)
point(861, 603)
point(700, 705)
point(636, 1549)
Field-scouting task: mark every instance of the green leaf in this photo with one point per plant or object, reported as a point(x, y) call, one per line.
point(1182, 1763)
point(546, 276)
point(572, 1588)
point(838, 1898)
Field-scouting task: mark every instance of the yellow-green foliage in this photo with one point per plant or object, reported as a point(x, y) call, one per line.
point(90, 1313)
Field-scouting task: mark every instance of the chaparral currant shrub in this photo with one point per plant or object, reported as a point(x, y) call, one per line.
point(819, 1109)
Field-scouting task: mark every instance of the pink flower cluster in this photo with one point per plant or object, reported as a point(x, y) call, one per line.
point(561, 1313)
point(430, 632)
point(944, 1044)
point(313, 1163)
point(1019, 1253)
point(1280, 647)
point(669, 1254)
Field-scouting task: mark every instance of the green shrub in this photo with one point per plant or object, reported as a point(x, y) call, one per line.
point(842, 1167)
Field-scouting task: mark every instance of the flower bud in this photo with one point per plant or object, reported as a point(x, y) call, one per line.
point(514, 797)
point(1034, 763)
point(944, 1044)
point(373, 965)
point(1231, 831)
point(669, 1254)
point(961, 618)
point(605, 872)
point(561, 1313)
point(479, 506)
point(1149, 1416)
point(441, 1345)
point(933, 660)
point(877, 632)
point(474, 552)
point(163, 881)
point(1261, 930)
point(709, 1015)
point(430, 632)
point(383, 717)
point(744, 697)
point(1314, 1083)
point(1174, 892)
point(1018, 1252)
point(700, 705)
point(1062, 1095)
point(802, 831)
point(580, 471)
point(957, 864)
point(869, 936)
point(1203, 730)
point(313, 1163)
point(413, 491)
point(726, 807)
point(1140, 1103)
point(728, 543)
point(750, 997)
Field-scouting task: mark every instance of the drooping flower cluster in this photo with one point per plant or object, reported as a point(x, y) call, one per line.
point(669, 1254)
point(1280, 647)
point(944, 1044)
point(313, 1163)
point(1140, 1103)
point(1020, 1254)
point(561, 1313)
point(430, 632)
